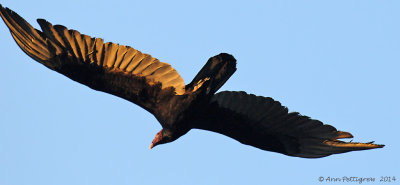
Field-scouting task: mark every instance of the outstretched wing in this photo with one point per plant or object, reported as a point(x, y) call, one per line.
point(108, 67)
point(266, 124)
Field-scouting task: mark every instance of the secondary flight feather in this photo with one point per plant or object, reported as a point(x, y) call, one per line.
point(157, 87)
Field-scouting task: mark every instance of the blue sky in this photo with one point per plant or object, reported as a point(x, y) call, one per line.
point(336, 61)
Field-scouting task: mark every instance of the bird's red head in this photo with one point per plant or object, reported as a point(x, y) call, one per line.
point(157, 140)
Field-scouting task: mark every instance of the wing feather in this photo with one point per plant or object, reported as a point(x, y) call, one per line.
point(143, 64)
point(122, 50)
point(130, 53)
point(108, 67)
point(266, 124)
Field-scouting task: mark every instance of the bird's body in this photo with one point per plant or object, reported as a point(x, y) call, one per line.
point(155, 86)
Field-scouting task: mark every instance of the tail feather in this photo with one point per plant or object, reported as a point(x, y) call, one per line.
point(214, 74)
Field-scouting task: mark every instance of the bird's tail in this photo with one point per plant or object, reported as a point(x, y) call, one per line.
point(214, 74)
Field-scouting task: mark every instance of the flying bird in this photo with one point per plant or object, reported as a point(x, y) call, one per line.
point(158, 88)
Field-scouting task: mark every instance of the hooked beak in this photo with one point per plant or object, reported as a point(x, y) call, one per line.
point(151, 146)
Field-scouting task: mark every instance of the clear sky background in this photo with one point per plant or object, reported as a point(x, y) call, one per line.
point(336, 61)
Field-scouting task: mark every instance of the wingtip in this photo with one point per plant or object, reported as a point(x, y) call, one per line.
point(6, 9)
point(2, 9)
point(368, 145)
point(39, 20)
point(342, 135)
point(353, 145)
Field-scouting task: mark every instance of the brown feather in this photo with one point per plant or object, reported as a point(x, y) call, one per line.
point(157, 87)
point(266, 124)
point(71, 53)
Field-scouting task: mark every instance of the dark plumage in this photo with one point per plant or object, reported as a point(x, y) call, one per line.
point(155, 86)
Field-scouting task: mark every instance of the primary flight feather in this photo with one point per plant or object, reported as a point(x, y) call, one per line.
point(155, 86)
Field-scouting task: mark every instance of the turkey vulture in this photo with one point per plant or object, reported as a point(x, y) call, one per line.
point(155, 86)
